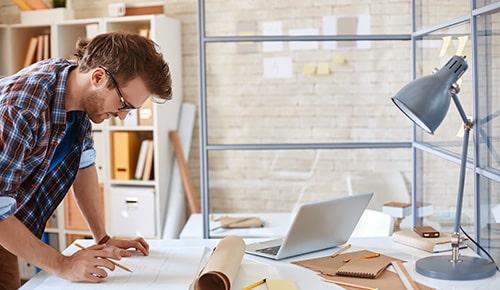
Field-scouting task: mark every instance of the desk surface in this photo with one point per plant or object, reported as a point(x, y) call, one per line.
point(254, 268)
point(275, 226)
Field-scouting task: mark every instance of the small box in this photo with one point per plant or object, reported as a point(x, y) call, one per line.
point(132, 211)
point(426, 231)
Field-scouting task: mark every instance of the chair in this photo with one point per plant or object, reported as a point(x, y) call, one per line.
point(386, 186)
point(373, 224)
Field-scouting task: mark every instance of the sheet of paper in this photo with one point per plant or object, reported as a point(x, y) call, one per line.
point(278, 67)
point(175, 267)
point(272, 28)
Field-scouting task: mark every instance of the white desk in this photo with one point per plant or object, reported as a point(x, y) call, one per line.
point(255, 268)
point(275, 225)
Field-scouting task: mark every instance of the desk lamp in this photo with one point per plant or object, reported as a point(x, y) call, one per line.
point(426, 101)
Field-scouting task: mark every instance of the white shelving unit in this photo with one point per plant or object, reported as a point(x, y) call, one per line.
point(166, 33)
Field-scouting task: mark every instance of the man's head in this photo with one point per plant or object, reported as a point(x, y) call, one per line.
point(124, 57)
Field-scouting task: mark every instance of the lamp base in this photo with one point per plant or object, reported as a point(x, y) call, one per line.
point(468, 268)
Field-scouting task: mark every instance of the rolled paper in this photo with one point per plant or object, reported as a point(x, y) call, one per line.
point(222, 266)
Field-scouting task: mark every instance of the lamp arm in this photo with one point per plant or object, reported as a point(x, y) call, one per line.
point(455, 242)
point(461, 111)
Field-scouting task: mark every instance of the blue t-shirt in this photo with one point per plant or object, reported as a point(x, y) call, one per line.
point(73, 119)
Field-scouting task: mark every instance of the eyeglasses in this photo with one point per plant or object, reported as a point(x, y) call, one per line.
point(125, 105)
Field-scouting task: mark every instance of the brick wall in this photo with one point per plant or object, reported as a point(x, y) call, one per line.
point(349, 104)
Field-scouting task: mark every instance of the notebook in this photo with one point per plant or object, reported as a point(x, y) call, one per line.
point(316, 226)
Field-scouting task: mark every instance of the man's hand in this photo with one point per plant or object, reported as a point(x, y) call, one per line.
point(89, 265)
point(139, 244)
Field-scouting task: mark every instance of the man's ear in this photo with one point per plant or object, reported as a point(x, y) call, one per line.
point(98, 77)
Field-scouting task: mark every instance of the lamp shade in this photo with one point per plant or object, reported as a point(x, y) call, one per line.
point(426, 100)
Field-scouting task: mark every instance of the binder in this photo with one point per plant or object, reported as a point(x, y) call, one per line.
point(125, 150)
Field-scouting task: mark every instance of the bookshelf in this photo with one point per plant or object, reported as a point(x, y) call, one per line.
point(147, 198)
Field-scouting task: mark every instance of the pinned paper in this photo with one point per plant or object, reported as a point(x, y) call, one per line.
point(309, 68)
point(272, 28)
point(278, 67)
point(447, 47)
point(246, 28)
point(339, 59)
point(462, 42)
point(323, 68)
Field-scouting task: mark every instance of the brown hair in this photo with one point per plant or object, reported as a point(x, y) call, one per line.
point(127, 56)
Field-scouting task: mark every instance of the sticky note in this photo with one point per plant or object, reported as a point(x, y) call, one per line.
point(323, 68)
point(281, 285)
point(309, 68)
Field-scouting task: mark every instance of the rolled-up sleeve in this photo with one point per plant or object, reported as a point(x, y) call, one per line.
point(7, 206)
point(88, 158)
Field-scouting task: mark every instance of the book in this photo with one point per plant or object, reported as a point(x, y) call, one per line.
point(37, 4)
point(46, 46)
point(141, 159)
point(39, 48)
point(431, 245)
point(148, 164)
point(31, 51)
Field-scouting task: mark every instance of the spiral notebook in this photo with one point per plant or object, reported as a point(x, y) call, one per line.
point(360, 264)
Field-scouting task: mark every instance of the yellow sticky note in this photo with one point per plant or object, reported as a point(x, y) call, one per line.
point(281, 285)
point(339, 60)
point(323, 68)
point(309, 68)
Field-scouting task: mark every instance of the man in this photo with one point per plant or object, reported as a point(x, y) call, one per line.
point(46, 147)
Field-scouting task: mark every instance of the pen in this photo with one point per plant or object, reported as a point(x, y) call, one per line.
point(341, 250)
point(371, 256)
point(115, 263)
point(253, 285)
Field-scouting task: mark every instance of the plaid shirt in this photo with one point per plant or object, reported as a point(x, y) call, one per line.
point(32, 124)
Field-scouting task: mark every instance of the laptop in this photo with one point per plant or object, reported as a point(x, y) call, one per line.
point(316, 226)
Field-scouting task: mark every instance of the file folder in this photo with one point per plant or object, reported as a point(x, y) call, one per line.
point(125, 151)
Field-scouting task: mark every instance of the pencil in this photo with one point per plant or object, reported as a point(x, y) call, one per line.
point(115, 263)
point(350, 285)
point(341, 250)
point(253, 285)
point(371, 256)
point(232, 223)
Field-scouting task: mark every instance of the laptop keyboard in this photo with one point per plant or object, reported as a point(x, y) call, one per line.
point(270, 250)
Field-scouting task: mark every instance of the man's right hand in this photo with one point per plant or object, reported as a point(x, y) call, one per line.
point(89, 265)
